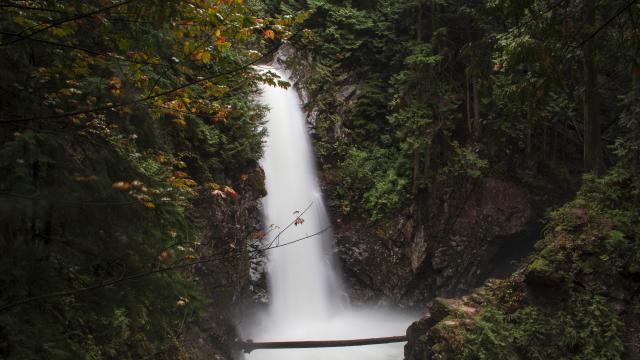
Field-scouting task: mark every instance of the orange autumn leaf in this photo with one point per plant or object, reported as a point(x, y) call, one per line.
point(269, 34)
point(220, 116)
point(121, 185)
point(164, 255)
point(229, 191)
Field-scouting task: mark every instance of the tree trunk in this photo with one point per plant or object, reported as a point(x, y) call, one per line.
point(248, 346)
point(529, 139)
point(468, 93)
point(476, 109)
point(635, 113)
point(592, 148)
point(416, 171)
point(545, 127)
point(416, 151)
point(554, 146)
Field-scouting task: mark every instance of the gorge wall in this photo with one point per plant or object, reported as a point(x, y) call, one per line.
point(444, 242)
point(449, 134)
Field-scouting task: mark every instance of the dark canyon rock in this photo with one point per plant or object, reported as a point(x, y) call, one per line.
point(445, 253)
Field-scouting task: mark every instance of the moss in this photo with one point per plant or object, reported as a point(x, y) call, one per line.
point(439, 309)
point(586, 327)
point(543, 273)
point(590, 250)
point(541, 265)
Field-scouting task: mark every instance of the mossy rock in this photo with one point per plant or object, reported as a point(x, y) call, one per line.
point(542, 272)
point(440, 309)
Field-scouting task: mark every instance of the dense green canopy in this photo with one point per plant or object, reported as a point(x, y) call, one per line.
point(122, 125)
point(129, 138)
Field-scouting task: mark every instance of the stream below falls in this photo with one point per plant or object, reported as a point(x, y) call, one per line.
point(306, 297)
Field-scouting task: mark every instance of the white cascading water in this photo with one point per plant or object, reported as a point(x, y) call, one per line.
point(307, 301)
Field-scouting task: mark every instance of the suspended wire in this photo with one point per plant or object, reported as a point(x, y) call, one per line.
point(152, 96)
point(606, 23)
point(64, 21)
point(90, 51)
point(145, 274)
point(533, 18)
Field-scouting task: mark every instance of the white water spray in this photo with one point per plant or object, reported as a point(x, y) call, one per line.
point(304, 289)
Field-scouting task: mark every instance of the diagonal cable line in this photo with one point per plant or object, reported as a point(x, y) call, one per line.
point(64, 21)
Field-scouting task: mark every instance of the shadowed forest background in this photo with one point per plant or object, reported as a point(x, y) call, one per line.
point(482, 151)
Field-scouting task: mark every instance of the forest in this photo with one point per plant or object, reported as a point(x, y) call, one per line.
point(479, 161)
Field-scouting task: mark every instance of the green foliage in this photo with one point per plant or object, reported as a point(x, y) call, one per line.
point(117, 129)
point(500, 77)
point(587, 327)
point(415, 100)
point(491, 338)
point(465, 163)
point(374, 183)
point(561, 308)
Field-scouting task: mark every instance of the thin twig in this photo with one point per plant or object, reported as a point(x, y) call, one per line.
point(145, 274)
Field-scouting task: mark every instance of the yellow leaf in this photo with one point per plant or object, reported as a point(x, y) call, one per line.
point(150, 205)
point(206, 57)
point(180, 122)
point(212, 186)
point(179, 164)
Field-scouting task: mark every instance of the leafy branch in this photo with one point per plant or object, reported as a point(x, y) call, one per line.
point(125, 279)
point(149, 97)
point(57, 23)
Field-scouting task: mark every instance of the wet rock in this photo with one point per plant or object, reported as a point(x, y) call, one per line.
point(432, 335)
point(229, 283)
point(446, 250)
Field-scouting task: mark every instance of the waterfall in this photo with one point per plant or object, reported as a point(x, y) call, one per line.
point(302, 282)
point(306, 296)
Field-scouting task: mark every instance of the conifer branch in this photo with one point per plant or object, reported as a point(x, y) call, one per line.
point(606, 23)
point(148, 97)
point(88, 51)
point(26, 7)
point(66, 20)
point(145, 274)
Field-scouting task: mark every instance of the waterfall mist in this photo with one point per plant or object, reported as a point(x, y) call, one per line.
point(306, 297)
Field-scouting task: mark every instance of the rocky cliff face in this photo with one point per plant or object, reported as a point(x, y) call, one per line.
point(578, 297)
point(441, 251)
point(444, 244)
point(226, 282)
